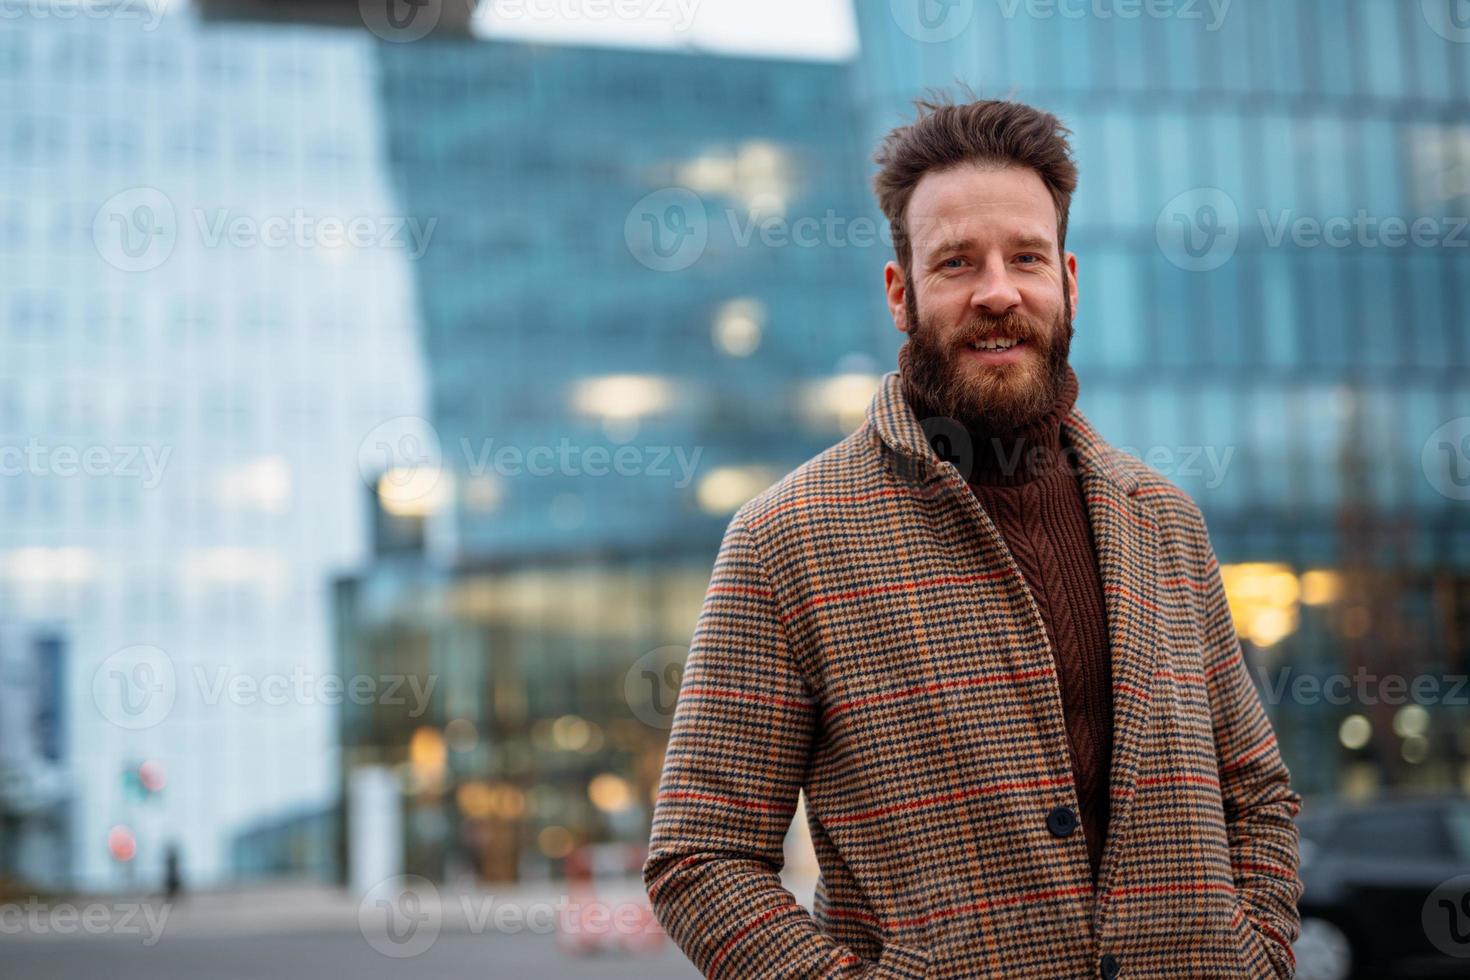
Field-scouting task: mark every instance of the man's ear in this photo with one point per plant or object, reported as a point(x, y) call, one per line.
point(1071, 284)
point(895, 285)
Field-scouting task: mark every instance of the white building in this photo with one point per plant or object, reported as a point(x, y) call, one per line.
point(206, 307)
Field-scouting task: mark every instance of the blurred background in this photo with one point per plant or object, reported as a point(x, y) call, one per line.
point(377, 379)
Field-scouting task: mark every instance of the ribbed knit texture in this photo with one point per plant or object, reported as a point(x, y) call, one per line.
point(1023, 481)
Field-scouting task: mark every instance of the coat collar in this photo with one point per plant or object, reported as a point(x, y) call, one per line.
point(1126, 536)
point(901, 432)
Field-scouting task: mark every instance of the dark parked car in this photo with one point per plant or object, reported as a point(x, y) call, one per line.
point(1387, 889)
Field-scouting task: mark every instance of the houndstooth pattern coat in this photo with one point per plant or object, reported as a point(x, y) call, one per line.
point(867, 640)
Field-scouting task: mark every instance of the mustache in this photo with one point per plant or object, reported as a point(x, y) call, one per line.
point(1012, 325)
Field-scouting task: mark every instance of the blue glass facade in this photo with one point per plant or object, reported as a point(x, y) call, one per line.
point(649, 254)
point(1257, 310)
point(557, 175)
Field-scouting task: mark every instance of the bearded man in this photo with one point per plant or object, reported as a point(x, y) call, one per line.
point(992, 651)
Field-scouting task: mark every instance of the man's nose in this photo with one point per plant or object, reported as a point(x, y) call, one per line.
point(995, 293)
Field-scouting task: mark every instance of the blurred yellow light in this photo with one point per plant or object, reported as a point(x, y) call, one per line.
point(841, 400)
point(555, 842)
point(1354, 731)
point(506, 801)
point(724, 489)
point(1320, 586)
point(476, 800)
point(759, 175)
point(1411, 720)
point(427, 756)
point(570, 733)
point(738, 325)
point(622, 396)
point(1267, 627)
point(1263, 600)
point(1415, 749)
point(1269, 583)
point(609, 792)
point(412, 491)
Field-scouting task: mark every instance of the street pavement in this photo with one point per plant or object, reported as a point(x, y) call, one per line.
point(313, 932)
point(322, 956)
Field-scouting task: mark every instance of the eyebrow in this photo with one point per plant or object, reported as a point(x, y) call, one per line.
point(1034, 242)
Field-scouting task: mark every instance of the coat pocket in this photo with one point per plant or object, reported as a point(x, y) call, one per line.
point(899, 962)
point(1250, 946)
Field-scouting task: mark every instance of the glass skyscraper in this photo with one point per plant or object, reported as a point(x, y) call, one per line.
point(636, 259)
point(1274, 312)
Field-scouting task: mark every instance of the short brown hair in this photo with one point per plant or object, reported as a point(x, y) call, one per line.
point(985, 131)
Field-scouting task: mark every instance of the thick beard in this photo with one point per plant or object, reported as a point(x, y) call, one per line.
point(1003, 398)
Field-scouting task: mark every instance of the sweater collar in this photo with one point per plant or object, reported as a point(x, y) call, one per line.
point(900, 431)
point(1012, 457)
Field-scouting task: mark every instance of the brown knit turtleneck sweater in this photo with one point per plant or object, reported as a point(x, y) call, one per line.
point(1025, 481)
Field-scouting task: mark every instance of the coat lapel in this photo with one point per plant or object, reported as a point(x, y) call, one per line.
point(1127, 542)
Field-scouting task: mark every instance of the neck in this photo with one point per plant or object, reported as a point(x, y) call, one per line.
point(1015, 456)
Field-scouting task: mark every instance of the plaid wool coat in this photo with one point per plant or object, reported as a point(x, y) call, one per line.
point(868, 640)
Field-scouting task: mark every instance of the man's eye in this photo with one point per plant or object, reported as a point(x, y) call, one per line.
point(1028, 256)
point(952, 263)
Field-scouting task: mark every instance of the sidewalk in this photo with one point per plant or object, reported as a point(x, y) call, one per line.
point(292, 908)
point(304, 908)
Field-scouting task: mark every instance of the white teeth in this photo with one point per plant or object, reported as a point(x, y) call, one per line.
point(994, 345)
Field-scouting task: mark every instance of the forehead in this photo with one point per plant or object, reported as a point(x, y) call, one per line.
point(980, 203)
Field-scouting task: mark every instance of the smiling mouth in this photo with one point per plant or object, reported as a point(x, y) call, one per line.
point(996, 345)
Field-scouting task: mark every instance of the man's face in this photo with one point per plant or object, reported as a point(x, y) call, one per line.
point(986, 271)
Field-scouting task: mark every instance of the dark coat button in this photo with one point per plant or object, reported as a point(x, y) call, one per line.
point(1061, 821)
point(1110, 966)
